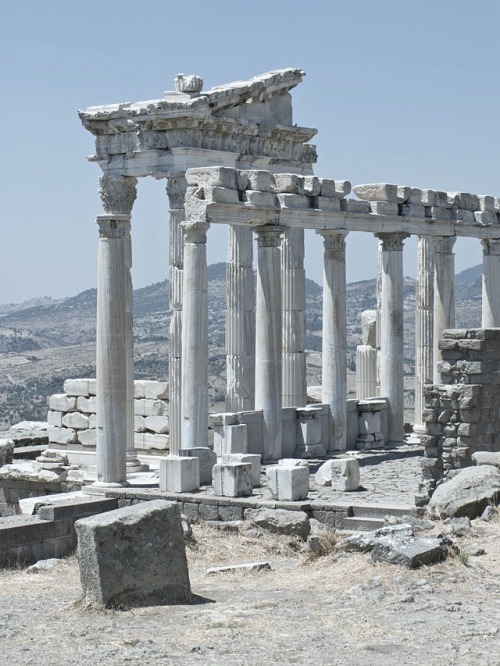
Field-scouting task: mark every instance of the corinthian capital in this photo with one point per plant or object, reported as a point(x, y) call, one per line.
point(117, 194)
point(268, 236)
point(392, 242)
point(195, 232)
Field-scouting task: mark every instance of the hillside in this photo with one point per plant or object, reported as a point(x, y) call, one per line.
point(44, 341)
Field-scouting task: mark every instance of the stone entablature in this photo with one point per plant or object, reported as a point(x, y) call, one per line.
point(246, 119)
point(72, 416)
point(462, 414)
point(234, 196)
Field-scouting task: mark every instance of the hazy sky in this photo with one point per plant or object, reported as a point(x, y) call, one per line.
point(402, 92)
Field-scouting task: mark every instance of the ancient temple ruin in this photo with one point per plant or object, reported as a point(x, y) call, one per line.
point(232, 155)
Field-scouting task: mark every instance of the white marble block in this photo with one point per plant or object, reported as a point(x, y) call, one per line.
point(345, 475)
point(232, 479)
point(252, 458)
point(287, 483)
point(61, 435)
point(54, 419)
point(88, 405)
point(231, 439)
point(76, 387)
point(87, 437)
point(75, 420)
point(158, 424)
point(60, 402)
point(179, 474)
point(207, 459)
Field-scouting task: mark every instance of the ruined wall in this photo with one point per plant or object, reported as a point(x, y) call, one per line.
point(462, 414)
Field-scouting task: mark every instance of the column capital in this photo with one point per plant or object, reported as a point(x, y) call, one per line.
point(113, 226)
point(392, 242)
point(195, 232)
point(491, 246)
point(444, 244)
point(117, 194)
point(176, 191)
point(269, 236)
point(333, 239)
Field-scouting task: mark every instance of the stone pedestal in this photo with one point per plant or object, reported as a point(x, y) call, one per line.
point(179, 474)
point(491, 284)
point(366, 372)
point(369, 425)
point(444, 294)
point(334, 370)
point(268, 379)
point(252, 458)
point(310, 432)
point(194, 389)
point(424, 318)
point(294, 318)
point(206, 458)
point(288, 483)
point(240, 321)
point(391, 331)
point(232, 479)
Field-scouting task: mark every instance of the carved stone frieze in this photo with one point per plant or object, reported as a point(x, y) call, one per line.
point(117, 194)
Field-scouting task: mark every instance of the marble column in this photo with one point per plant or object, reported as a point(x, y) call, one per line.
point(423, 325)
point(240, 321)
point(391, 332)
point(294, 318)
point(334, 369)
point(268, 341)
point(114, 340)
point(176, 190)
point(491, 283)
point(444, 294)
point(194, 388)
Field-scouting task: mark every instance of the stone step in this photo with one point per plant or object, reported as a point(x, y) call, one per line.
point(362, 524)
point(379, 511)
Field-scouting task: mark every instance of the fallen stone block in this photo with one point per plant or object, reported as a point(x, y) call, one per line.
point(466, 494)
point(377, 192)
point(409, 552)
point(231, 568)
point(487, 458)
point(341, 474)
point(365, 541)
point(179, 474)
point(134, 556)
point(232, 479)
point(206, 458)
point(279, 521)
point(252, 458)
point(288, 484)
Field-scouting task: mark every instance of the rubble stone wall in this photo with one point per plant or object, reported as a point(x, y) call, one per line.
point(462, 414)
point(72, 416)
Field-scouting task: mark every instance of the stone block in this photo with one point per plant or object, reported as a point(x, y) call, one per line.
point(287, 483)
point(231, 439)
point(438, 213)
point(157, 442)
point(179, 474)
point(87, 437)
point(312, 186)
point(232, 479)
point(212, 177)
point(326, 203)
point(158, 424)
point(156, 390)
point(60, 402)
point(54, 419)
point(61, 435)
point(134, 555)
point(403, 194)
point(289, 183)
point(75, 420)
point(252, 458)
point(355, 206)
point(87, 405)
point(207, 459)
point(259, 180)
point(377, 192)
point(293, 200)
point(485, 217)
point(92, 421)
point(384, 208)
point(76, 387)
point(139, 389)
point(486, 203)
point(139, 423)
point(341, 474)
point(412, 210)
point(144, 407)
point(259, 199)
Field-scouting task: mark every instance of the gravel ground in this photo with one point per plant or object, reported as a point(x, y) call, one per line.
point(338, 609)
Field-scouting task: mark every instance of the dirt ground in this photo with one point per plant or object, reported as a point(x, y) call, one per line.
point(338, 609)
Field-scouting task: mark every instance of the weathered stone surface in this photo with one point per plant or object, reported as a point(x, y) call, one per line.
point(321, 538)
point(135, 555)
point(232, 479)
point(158, 424)
point(60, 402)
point(287, 483)
point(231, 568)
point(466, 494)
point(410, 552)
point(365, 541)
point(377, 192)
point(76, 387)
point(207, 459)
point(179, 474)
point(342, 474)
point(294, 523)
point(487, 458)
point(6, 451)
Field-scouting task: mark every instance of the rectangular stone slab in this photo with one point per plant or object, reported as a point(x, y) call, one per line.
point(134, 556)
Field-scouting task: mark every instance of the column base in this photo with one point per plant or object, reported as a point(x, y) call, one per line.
point(134, 465)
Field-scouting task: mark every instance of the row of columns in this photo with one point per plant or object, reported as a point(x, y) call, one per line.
point(265, 345)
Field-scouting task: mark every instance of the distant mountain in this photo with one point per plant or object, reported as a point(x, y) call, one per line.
point(44, 341)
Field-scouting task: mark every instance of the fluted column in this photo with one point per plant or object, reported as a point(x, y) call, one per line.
point(194, 395)
point(268, 341)
point(334, 369)
point(444, 293)
point(176, 189)
point(294, 318)
point(240, 321)
point(491, 283)
point(114, 339)
point(391, 331)
point(423, 325)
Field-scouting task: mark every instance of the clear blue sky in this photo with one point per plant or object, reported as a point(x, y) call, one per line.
point(402, 92)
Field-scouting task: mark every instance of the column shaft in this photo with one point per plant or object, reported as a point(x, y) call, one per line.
point(444, 293)
point(240, 321)
point(194, 396)
point(294, 318)
point(391, 332)
point(176, 189)
point(268, 342)
point(491, 284)
point(334, 368)
point(423, 324)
